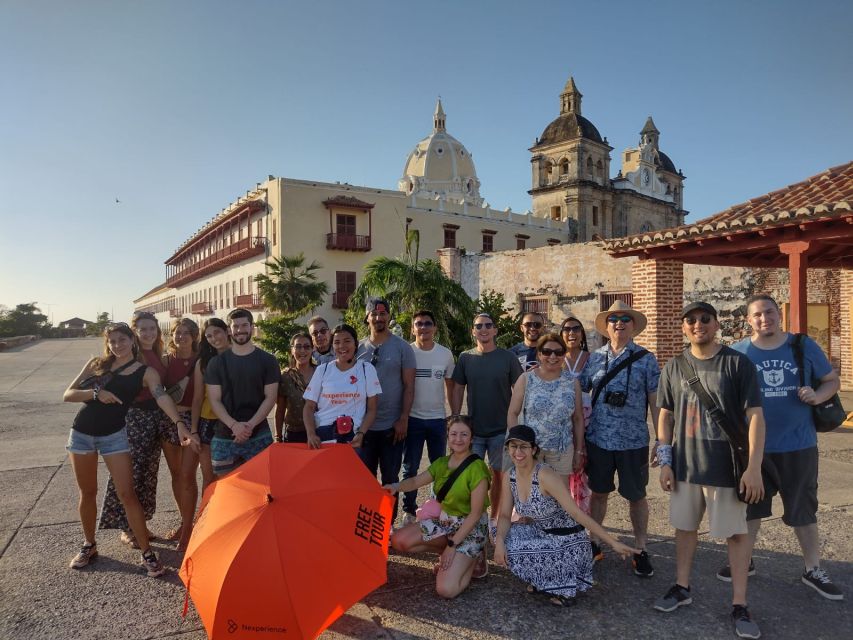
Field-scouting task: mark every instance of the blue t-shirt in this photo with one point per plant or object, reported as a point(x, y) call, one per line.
point(790, 426)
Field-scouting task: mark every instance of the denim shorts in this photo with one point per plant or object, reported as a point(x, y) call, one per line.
point(227, 454)
point(81, 444)
point(494, 445)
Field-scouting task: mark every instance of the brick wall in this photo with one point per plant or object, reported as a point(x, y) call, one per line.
point(659, 293)
point(845, 278)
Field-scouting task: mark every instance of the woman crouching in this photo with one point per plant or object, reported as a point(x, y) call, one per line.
point(551, 551)
point(457, 528)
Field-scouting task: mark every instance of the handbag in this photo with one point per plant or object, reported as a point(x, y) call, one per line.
point(431, 509)
point(579, 488)
point(829, 414)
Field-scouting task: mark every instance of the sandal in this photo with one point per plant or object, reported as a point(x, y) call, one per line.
point(129, 539)
point(561, 601)
point(173, 534)
point(532, 590)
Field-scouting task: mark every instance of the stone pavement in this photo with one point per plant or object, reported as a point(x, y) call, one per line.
point(39, 532)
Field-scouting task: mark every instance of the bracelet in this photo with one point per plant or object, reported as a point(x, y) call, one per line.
point(665, 455)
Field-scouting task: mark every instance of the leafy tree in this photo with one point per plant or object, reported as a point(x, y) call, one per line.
point(410, 284)
point(276, 332)
point(494, 304)
point(25, 319)
point(290, 286)
point(97, 328)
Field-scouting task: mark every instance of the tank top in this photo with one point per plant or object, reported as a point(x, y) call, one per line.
point(98, 419)
point(178, 368)
point(145, 400)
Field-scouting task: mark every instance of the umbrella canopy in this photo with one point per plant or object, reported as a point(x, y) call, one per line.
point(287, 543)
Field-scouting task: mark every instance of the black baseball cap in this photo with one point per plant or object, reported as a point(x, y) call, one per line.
point(521, 432)
point(698, 306)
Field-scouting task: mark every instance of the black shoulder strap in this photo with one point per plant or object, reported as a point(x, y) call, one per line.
point(442, 493)
point(636, 355)
point(717, 414)
point(799, 356)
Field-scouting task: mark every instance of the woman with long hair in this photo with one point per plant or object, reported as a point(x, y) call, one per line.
point(547, 399)
point(550, 550)
point(294, 381)
point(577, 357)
point(458, 533)
point(181, 455)
point(340, 399)
point(143, 433)
point(106, 386)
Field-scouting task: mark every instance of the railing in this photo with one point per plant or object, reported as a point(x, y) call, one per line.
point(340, 299)
point(249, 301)
point(232, 254)
point(175, 313)
point(347, 242)
point(202, 308)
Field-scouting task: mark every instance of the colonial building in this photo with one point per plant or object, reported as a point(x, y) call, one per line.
point(571, 178)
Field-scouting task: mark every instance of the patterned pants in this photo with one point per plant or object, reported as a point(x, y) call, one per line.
point(143, 433)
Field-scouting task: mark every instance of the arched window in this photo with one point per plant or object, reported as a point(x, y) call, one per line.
point(599, 169)
point(564, 167)
point(589, 165)
point(549, 168)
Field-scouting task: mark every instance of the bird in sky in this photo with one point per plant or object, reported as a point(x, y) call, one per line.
point(118, 201)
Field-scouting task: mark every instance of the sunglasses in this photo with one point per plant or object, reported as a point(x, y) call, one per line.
point(484, 325)
point(424, 324)
point(572, 329)
point(532, 325)
point(320, 332)
point(117, 325)
point(552, 352)
point(615, 319)
point(704, 319)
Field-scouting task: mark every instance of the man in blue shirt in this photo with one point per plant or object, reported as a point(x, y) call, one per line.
point(532, 326)
point(791, 444)
point(617, 439)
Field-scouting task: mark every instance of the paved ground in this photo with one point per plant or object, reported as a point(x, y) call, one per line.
point(41, 598)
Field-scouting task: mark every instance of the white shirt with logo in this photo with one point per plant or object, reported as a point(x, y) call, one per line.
point(433, 367)
point(342, 393)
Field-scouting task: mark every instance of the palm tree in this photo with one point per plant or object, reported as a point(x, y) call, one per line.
point(291, 287)
point(410, 284)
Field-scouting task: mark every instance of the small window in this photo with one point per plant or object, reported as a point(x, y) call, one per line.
point(488, 242)
point(607, 298)
point(345, 225)
point(557, 213)
point(449, 238)
point(345, 286)
point(538, 305)
point(273, 232)
point(564, 167)
point(594, 216)
point(520, 243)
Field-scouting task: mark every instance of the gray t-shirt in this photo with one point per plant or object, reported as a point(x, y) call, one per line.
point(489, 377)
point(701, 451)
point(242, 379)
point(391, 358)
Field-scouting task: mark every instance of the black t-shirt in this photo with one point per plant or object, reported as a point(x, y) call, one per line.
point(242, 379)
point(701, 452)
point(98, 419)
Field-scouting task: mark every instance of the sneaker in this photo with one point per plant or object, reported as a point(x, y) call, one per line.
point(86, 555)
point(481, 569)
point(676, 597)
point(597, 553)
point(725, 573)
point(642, 565)
point(745, 627)
point(409, 518)
point(820, 582)
point(152, 564)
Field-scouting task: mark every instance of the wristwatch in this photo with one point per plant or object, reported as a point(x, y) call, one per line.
point(450, 542)
point(95, 391)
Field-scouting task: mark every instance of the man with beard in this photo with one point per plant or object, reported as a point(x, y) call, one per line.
point(321, 337)
point(394, 361)
point(242, 386)
point(531, 328)
point(791, 445)
point(695, 454)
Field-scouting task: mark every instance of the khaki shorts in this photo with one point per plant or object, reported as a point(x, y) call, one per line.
point(560, 462)
point(726, 514)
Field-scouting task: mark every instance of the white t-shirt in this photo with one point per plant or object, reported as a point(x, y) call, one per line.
point(433, 367)
point(342, 393)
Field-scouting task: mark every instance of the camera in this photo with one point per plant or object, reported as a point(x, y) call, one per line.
point(615, 398)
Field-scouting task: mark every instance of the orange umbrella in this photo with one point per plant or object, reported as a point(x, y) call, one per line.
point(287, 543)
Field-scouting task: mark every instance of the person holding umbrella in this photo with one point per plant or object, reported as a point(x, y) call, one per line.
point(454, 525)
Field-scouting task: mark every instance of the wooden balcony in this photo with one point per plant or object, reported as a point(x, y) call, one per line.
point(202, 308)
point(232, 254)
point(249, 301)
point(347, 242)
point(175, 313)
point(340, 299)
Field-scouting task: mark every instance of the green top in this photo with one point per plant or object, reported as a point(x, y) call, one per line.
point(457, 502)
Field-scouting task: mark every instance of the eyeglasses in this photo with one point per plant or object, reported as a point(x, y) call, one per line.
point(704, 319)
point(552, 352)
point(302, 347)
point(424, 324)
point(531, 325)
point(519, 447)
point(484, 325)
point(320, 332)
point(575, 328)
point(615, 319)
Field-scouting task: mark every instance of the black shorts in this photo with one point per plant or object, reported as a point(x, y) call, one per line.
point(632, 466)
point(205, 430)
point(797, 484)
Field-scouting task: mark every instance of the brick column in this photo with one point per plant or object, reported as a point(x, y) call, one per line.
point(658, 288)
point(450, 260)
point(846, 304)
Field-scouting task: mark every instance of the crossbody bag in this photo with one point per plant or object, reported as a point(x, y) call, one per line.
point(627, 362)
point(432, 507)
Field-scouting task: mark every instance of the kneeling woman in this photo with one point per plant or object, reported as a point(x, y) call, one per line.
point(552, 553)
point(107, 386)
point(459, 532)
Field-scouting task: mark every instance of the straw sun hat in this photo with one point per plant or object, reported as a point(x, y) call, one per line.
point(620, 307)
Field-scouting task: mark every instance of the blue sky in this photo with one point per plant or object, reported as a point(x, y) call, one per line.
point(177, 108)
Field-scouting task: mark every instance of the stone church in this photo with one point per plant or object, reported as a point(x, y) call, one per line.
point(571, 178)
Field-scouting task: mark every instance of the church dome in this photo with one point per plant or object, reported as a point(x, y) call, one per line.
point(569, 126)
point(440, 167)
